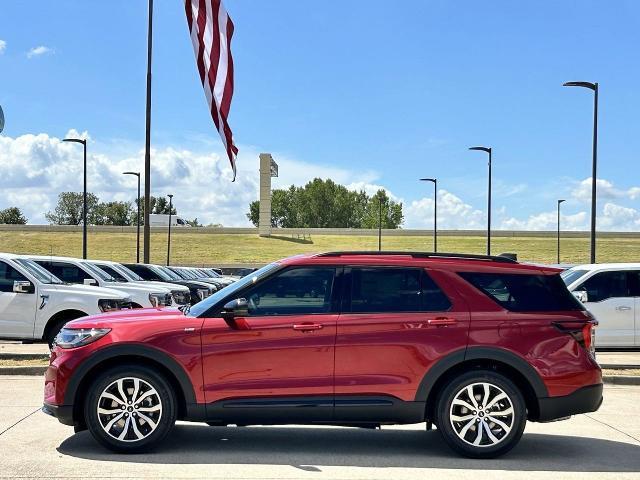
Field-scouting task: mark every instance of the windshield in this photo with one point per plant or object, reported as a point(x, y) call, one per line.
point(101, 274)
point(41, 274)
point(127, 273)
point(571, 275)
point(181, 273)
point(115, 275)
point(201, 307)
point(168, 273)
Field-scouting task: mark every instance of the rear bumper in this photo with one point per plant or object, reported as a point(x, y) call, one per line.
point(64, 413)
point(584, 400)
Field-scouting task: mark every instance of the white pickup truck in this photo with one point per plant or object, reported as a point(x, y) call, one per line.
point(74, 270)
point(34, 304)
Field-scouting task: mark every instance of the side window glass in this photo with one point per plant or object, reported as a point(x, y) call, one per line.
point(8, 275)
point(633, 279)
point(395, 290)
point(605, 285)
point(68, 273)
point(295, 291)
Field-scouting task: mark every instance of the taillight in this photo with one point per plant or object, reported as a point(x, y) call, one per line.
point(583, 333)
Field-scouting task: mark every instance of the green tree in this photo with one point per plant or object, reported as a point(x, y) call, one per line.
point(68, 210)
point(392, 216)
point(114, 213)
point(12, 215)
point(324, 203)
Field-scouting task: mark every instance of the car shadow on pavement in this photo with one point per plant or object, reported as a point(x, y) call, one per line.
point(305, 448)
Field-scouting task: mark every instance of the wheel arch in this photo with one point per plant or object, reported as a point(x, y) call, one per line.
point(61, 315)
point(138, 355)
point(501, 361)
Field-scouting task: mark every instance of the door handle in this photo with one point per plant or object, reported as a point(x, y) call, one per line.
point(442, 321)
point(623, 308)
point(304, 327)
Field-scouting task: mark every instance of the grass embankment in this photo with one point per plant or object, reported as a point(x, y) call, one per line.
point(213, 249)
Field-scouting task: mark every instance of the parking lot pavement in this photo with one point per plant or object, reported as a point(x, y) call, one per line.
point(605, 444)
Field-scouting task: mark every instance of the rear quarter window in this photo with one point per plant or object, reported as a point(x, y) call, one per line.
point(524, 292)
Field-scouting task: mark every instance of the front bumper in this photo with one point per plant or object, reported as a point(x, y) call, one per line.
point(64, 413)
point(584, 400)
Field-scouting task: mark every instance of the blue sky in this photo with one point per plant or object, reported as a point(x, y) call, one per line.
point(370, 93)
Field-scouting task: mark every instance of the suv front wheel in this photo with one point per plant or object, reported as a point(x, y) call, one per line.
point(130, 409)
point(481, 414)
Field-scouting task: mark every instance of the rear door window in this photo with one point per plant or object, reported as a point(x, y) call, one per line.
point(524, 292)
point(604, 285)
point(67, 272)
point(390, 289)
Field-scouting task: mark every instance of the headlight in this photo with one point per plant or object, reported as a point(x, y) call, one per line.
point(180, 297)
point(160, 299)
point(109, 305)
point(77, 337)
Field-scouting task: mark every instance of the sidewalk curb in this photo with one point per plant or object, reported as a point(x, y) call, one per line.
point(621, 379)
point(28, 356)
point(23, 370)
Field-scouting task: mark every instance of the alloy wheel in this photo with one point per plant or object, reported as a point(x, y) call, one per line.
point(482, 414)
point(129, 409)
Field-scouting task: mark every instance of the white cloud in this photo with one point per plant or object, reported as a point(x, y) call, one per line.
point(453, 213)
point(3, 46)
point(36, 168)
point(39, 167)
point(39, 50)
point(546, 221)
point(604, 190)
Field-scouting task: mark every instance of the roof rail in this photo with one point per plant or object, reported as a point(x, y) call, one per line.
point(464, 256)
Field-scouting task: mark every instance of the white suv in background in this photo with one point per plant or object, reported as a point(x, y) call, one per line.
point(611, 292)
point(73, 270)
point(34, 304)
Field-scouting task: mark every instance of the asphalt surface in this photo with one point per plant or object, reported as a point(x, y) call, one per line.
point(605, 444)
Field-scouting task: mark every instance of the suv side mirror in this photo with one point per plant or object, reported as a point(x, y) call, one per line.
point(91, 282)
point(23, 286)
point(233, 311)
point(581, 295)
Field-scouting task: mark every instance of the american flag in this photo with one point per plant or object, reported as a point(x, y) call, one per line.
point(211, 31)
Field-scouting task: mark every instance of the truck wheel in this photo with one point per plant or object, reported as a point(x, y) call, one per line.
point(481, 414)
point(130, 409)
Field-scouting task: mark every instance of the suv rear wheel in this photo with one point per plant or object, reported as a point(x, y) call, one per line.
point(481, 414)
point(130, 409)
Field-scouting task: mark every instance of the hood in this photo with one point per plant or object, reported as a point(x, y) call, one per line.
point(112, 319)
point(162, 285)
point(85, 291)
point(137, 287)
point(192, 283)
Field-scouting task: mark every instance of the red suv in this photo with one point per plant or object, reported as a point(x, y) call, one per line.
point(476, 345)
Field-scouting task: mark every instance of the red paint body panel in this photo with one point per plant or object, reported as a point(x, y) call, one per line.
point(352, 354)
point(270, 358)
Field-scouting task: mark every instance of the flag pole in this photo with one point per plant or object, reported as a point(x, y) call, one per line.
point(147, 147)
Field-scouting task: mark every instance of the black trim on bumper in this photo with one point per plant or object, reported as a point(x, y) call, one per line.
point(584, 400)
point(64, 413)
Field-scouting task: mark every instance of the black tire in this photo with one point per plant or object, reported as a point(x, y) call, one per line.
point(479, 423)
point(164, 419)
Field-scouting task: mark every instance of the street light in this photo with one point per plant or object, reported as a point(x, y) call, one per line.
point(435, 210)
point(380, 223)
point(84, 195)
point(169, 238)
point(488, 150)
point(137, 174)
point(594, 87)
point(559, 202)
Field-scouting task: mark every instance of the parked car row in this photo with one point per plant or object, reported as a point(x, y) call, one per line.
point(39, 294)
